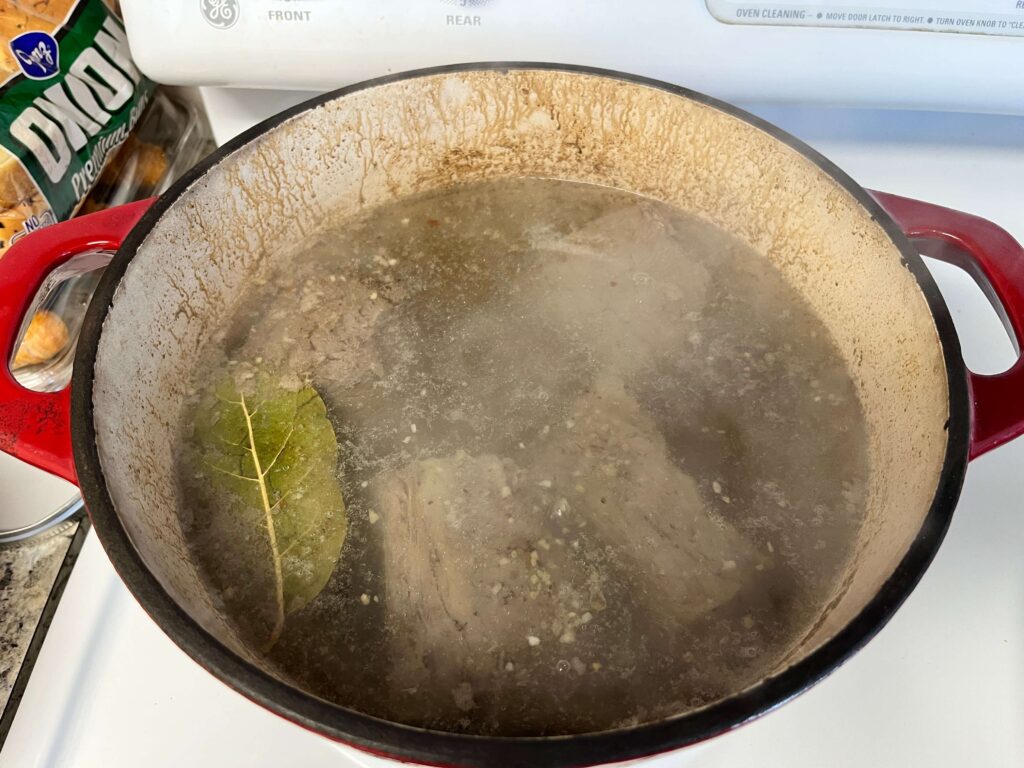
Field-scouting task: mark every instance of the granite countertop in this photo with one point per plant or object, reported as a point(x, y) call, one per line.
point(29, 577)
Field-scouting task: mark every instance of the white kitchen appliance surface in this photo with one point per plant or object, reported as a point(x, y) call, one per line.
point(941, 686)
point(939, 54)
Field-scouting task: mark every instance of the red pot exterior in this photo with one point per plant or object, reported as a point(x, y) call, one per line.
point(990, 255)
point(39, 429)
point(36, 426)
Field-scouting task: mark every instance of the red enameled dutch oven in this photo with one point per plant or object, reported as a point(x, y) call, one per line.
point(182, 259)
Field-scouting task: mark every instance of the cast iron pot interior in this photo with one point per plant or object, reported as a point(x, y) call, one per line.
point(177, 275)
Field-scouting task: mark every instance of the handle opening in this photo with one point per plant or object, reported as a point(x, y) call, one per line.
point(44, 347)
point(987, 345)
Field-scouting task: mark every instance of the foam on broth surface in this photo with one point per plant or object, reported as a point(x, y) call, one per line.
point(601, 464)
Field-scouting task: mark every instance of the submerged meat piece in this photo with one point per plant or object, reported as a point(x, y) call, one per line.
point(622, 275)
point(328, 331)
point(466, 587)
point(599, 546)
point(492, 352)
point(625, 485)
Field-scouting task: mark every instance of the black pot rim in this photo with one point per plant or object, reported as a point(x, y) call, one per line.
point(434, 747)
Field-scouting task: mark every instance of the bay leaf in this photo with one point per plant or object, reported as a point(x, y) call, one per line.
point(275, 453)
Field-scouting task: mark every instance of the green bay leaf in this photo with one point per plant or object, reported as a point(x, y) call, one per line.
point(275, 453)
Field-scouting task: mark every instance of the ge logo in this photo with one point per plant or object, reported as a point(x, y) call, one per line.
point(220, 14)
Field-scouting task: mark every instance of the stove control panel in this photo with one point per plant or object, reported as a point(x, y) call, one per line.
point(878, 53)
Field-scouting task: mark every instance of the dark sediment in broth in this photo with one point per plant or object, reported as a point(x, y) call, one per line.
point(601, 463)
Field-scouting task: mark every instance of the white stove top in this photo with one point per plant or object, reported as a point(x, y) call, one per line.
point(941, 686)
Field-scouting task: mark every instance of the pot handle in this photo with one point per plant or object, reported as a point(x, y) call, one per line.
point(36, 426)
point(990, 255)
